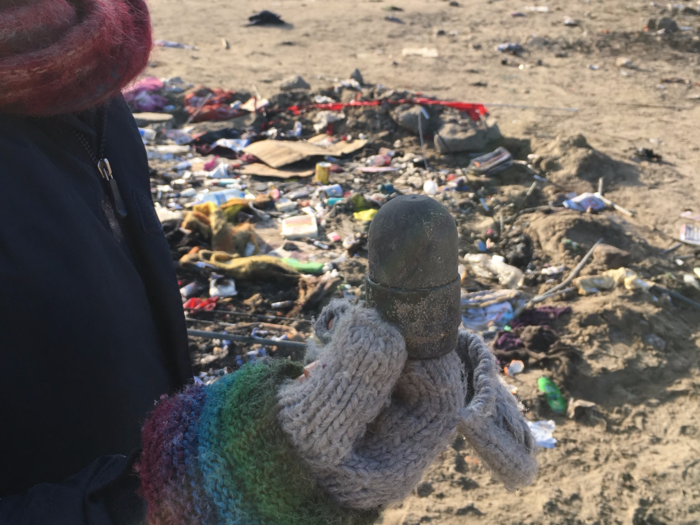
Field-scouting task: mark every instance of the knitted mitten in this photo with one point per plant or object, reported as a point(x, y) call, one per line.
point(365, 421)
point(271, 445)
point(491, 421)
point(216, 455)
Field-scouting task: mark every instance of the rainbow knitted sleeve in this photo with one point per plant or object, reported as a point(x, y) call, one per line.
point(216, 455)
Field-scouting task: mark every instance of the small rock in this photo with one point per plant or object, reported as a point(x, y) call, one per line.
point(651, 24)
point(407, 117)
point(669, 25)
point(611, 257)
point(454, 138)
point(571, 22)
point(357, 76)
point(424, 490)
point(585, 412)
point(624, 62)
point(294, 82)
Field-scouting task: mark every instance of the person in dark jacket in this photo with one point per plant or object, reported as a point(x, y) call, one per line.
point(92, 331)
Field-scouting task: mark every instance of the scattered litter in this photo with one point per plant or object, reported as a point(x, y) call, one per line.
point(648, 154)
point(608, 280)
point(323, 172)
point(494, 308)
point(279, 153)
point(221, 286)
point(512, 48)
point(299, 227)
point(594, 284)
point(585, 202)
point(552, 395)
point(542, 432)
point(553, 271)
point(424, 52)
point(514, 367)
point(690, 215)
point(365, 215)
point(170, 43)
point(624, 62)
point(690, 233)
point(491, 163)
point(489, 267)
point(585, 412)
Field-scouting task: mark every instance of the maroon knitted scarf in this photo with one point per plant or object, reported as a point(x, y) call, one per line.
point(65, 56)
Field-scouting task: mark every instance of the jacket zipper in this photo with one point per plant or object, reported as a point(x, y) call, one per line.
point(104, 168)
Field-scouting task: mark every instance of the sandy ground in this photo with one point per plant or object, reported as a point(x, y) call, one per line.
point(641, 463)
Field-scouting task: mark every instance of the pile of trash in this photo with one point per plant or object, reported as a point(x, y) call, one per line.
point(266, 203)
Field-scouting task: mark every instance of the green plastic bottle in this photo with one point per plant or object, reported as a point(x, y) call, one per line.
point(315, 268)
point(552, 394)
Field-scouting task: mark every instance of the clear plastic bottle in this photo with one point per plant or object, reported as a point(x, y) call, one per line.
point(220, 197)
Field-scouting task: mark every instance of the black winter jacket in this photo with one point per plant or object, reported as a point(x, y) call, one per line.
point(92, 330)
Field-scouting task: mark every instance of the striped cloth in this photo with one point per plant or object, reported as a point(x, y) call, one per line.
point(217, 455)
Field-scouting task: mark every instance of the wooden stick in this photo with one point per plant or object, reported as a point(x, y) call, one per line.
point(571, 276)
point(259, 317)
point(520, 206)
point(245, 339)
point(675, 295)
point(607, 201)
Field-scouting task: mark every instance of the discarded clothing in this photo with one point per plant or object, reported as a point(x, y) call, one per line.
point(480, 319)
point(490, 308)
point(540, 315)
point(535, 338)
point(211, 104)
point(262, 267)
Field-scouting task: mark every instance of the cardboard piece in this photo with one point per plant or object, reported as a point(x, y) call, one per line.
point(263, 170)
point(278, 153)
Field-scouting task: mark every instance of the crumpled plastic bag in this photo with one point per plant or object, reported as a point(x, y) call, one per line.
point(628, 278)
point(594, 284)
point(479, 319)
point(542, 431)
point(608, 280)
point(489, 267)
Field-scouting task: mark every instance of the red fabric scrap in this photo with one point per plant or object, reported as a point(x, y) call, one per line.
point(474, 110)
point(216, 107)
point(196, 304)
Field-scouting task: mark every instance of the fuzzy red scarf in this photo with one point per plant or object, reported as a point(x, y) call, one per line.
point(65, 56)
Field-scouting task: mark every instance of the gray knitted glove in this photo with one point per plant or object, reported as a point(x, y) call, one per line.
point(366, 421)
point(491, 422)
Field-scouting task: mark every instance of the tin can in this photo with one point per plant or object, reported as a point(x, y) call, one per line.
point(323, 172)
